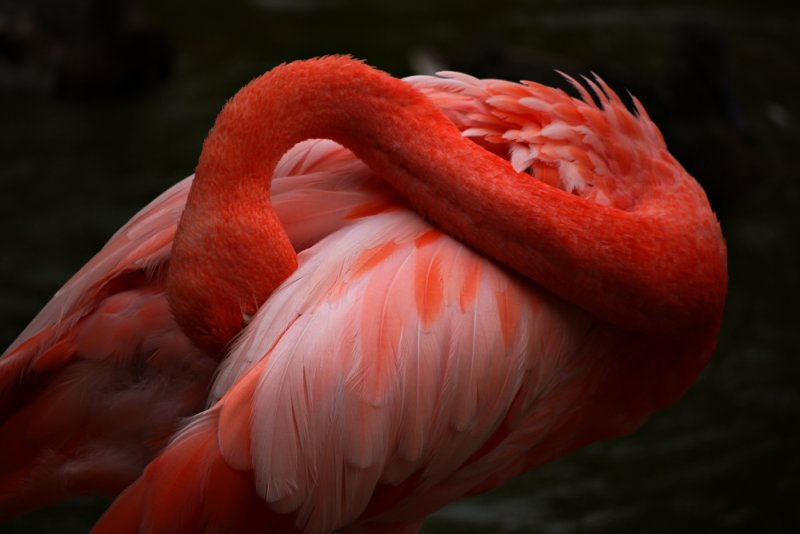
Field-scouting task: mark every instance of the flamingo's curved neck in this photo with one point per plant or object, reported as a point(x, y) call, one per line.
point(661, 268)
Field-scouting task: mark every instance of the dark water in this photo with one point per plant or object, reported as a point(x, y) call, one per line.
point(721, 78)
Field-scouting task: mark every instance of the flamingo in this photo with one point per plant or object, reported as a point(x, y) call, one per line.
point(431, 340)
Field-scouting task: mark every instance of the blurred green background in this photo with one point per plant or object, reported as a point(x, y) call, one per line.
point(106, 103)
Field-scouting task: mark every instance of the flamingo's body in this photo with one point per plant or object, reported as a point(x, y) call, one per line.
point(397, 369)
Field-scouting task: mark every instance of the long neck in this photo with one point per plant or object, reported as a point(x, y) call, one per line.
point(659, 268)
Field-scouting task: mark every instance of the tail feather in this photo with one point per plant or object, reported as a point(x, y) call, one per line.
point(190, 488)
point(125, 515)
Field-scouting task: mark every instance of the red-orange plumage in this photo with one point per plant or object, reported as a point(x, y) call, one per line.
point(392, 367)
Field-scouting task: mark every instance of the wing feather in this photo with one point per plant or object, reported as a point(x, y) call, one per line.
point(370, 366)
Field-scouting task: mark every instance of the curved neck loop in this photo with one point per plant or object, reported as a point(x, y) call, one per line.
point(663, 270)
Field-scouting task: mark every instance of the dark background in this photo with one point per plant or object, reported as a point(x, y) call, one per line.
point(105, 103)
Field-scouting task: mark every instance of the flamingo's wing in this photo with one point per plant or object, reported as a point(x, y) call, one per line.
point(394, 369)
point(101, 377)
point(75, 382)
